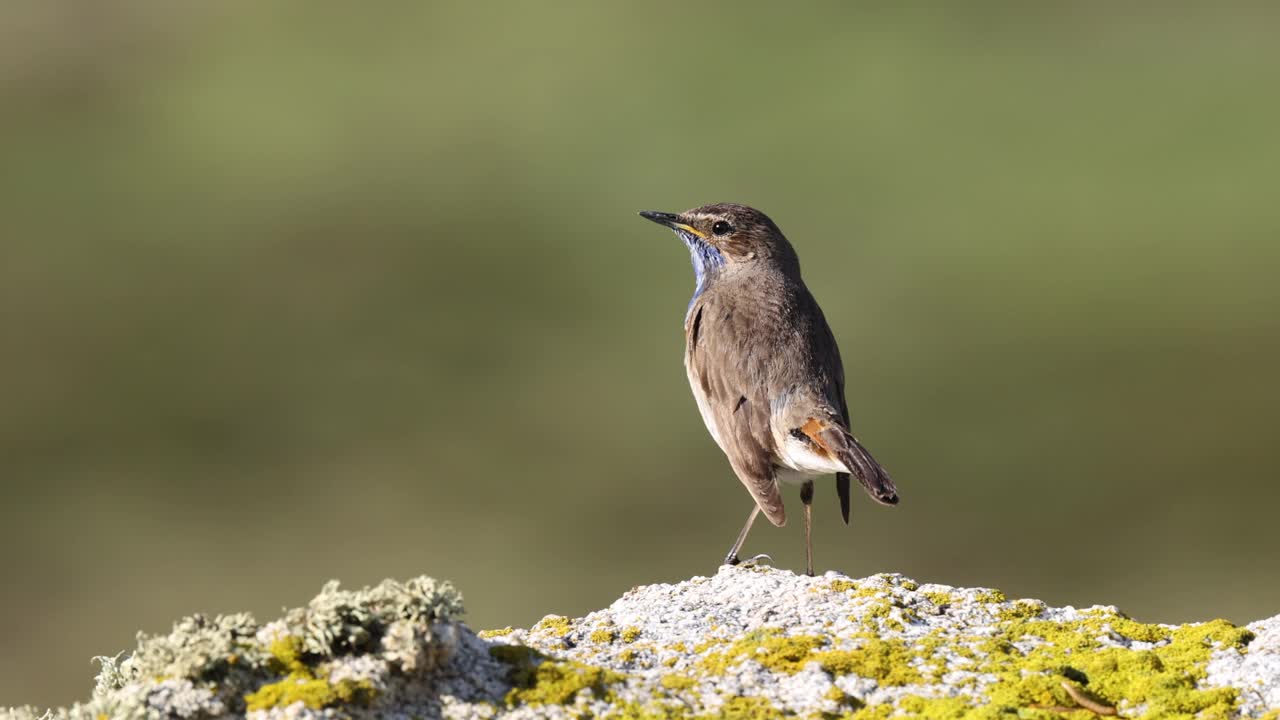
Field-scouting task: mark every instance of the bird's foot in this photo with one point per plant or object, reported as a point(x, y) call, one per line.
point(754, 561)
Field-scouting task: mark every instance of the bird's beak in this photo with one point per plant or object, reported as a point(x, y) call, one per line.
point(672, 221)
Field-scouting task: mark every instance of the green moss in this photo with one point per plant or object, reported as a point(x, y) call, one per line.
point(486, 634)
point(603, 635)
point(301, 684)
point(630, 634)
point(557, 625)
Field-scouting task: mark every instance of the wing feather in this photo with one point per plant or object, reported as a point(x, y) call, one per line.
point(727, 376)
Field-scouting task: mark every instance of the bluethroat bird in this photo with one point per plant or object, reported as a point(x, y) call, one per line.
point(764, 367)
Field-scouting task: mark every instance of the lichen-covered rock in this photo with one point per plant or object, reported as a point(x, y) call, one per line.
point(340, 653)
point(750, 642)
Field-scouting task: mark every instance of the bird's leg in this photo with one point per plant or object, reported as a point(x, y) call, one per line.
point(806, 497)
point(732, 557)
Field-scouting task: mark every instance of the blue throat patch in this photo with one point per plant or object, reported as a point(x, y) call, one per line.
point(707, 261)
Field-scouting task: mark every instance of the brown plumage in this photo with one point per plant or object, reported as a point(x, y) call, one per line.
point(764, 366)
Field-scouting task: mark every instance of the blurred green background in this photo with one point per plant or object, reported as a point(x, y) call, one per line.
point(297, 291)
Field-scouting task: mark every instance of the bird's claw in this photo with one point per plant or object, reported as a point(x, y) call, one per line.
point(753, 561)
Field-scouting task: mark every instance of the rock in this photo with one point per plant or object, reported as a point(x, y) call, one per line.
point(750, 642)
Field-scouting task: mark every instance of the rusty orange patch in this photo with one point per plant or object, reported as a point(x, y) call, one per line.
point(813, 430)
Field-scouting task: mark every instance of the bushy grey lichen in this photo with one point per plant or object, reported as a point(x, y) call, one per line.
point(343, 621)
point(344, 647)
point(224, 649)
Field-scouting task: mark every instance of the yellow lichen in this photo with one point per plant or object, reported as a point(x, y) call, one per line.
point(1021, 609)
point(539, 680)
point(315, 693)
point(837, 586)
point(940, 599)
point(677, 682)
point(769, 647)
point(650, 711)
point(603, 635)
point(745, 707)
point(887, 661)
point(521, 658)
point(1163, 679)
point(554, 682)
point(301, 684)
point(990, 596)
point(286, 654)
point(557, 625)
point(878, 610)
point(1029, 657)
point(945, 708)
point(502, 632)
point(873, 712)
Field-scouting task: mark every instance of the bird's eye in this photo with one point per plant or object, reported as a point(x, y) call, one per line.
point(721, 228)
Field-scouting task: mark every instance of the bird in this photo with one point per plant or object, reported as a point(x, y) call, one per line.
point(765, 369)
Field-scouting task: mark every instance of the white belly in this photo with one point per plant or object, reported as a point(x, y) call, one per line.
point(798, 457)
point(704, 409)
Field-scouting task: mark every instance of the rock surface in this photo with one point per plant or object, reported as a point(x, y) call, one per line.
point(750, 642)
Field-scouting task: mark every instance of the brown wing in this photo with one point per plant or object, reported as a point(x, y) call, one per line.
point(873, 478)
point(727, 374)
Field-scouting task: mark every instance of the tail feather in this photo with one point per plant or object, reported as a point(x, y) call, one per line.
point(873, 478)
point(842, 489)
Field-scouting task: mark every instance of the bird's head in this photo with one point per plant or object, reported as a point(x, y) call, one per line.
point(725, 237)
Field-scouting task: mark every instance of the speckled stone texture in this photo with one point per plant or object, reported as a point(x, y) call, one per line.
point(749, 642)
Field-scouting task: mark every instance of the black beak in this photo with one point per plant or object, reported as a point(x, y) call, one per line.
point(662, 218)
